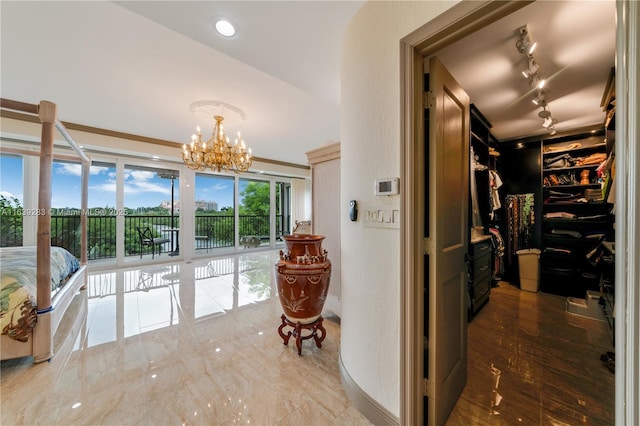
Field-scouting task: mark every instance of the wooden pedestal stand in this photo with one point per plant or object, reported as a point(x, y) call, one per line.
point(297, 332)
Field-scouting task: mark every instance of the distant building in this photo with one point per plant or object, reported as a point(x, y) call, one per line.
point(167, 205)
point(206, 205)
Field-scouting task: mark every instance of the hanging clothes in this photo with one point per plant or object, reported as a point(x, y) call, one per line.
point(476, 219)
point(498, 249)
point(494, 197)
point(520, 221)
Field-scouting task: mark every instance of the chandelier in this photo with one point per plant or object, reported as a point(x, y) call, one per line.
point(217, 153)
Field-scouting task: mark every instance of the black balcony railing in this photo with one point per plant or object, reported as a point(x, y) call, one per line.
point(219, 231)
point(101, 232)
point(10, 230)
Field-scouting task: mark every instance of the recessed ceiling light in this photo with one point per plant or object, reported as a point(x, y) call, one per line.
point(224, 27)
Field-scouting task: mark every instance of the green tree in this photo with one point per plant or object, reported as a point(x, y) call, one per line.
point(254, 209)
point(10, 222)
point(255, 199)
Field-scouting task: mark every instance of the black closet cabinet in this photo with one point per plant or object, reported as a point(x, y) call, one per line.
point(575, 214)
point(481, 256)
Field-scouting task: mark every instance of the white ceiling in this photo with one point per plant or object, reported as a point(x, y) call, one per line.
point(137, 66)
point(575, 51)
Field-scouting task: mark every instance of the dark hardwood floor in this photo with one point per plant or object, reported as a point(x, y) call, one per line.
point(531, 363)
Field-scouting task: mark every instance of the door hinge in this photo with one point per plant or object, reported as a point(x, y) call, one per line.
point(429, 99)
point(428, 246)
point(426, 387)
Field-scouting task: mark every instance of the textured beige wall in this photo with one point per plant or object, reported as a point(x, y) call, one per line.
point(370, 136)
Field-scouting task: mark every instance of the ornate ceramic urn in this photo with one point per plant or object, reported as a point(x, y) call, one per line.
point(302, 275)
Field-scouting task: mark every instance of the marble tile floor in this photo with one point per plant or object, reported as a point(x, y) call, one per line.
point(179, 344)
point(531, 363)
point(197, 343)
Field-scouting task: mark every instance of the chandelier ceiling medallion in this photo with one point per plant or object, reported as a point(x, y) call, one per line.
point(217, 153)
point(526, 46)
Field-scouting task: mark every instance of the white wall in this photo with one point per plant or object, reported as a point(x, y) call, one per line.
point(300, 200)
point(370, 136)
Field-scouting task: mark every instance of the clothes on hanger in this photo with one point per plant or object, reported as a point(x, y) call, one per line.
point(520, 221)
point(494, 197)
point(476, 219)
point(498, 249)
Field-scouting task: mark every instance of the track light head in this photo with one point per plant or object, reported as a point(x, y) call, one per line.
point(548, 122)
point(545, 113)
point(534, 81)
point(540, 99)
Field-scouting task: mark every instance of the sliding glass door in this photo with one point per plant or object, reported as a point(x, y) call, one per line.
point(214, 211)
point(151, 211)
point(255, 206)
point(283, 209)
point(11, 200)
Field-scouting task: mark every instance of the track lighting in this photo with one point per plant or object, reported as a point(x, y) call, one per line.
point(545, 113)
point(534, 82)
point(532, 69)
point(539, 99)
point(532, 48)
point(524, 42)
point(526, 46)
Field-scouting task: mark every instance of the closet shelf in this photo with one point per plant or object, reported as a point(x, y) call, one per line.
point(576, 222)
point(557, 169)
point(566, 240)
point(567, 203)
point(582, 148)
point(588, 185)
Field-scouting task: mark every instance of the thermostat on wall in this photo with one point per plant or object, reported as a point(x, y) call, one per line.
point(387, 186)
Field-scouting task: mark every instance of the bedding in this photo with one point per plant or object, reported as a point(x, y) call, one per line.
point(18, 288)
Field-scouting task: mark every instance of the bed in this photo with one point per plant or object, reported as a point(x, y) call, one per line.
point(41, 284)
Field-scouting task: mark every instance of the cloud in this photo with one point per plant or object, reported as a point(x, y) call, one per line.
point(220, 186)
point(108, 186)
point(140, 175)
point(68, 169)
point(142, 186)
point(9, 196)
point(132, 187)
point(96, 170)
point(71, 169)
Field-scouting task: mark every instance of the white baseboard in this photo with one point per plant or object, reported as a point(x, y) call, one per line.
point(370, 408)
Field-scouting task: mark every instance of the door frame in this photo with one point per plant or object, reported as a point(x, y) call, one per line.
point(461, 20)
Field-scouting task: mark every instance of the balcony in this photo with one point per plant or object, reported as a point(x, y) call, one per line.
point(213, 231)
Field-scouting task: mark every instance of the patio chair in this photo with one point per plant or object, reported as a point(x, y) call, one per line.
point(203, 238)
point(147, 239)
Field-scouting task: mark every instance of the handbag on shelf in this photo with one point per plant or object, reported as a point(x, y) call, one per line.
point(564, 160)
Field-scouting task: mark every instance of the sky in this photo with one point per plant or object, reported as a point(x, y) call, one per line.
point(142, 187)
